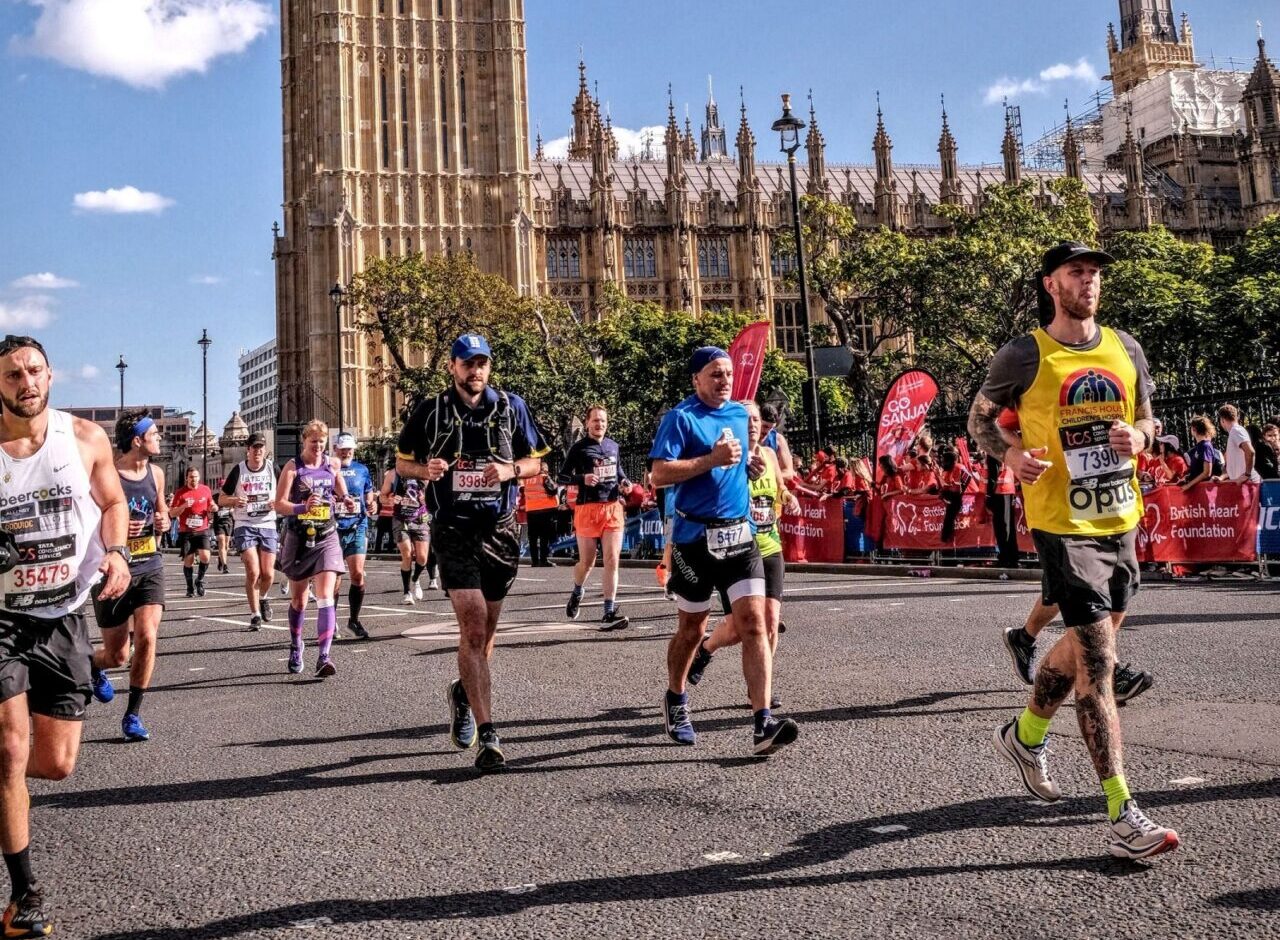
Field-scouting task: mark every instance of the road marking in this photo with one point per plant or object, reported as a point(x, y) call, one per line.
point(834, 609)
point(517, 889)
point(403, 612)
point(531, 579)
point(449, 631)
point(898, 604)
point(720, 856)
point(234, 623)
point(312, 923)
point(1187, 781)
point(885, 830)
point(361, 650)
point(197, 669)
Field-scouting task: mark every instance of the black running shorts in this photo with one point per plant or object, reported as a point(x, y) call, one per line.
point(191, 542)
point(477, 555)
point(696, 574)
point(774, 571)
point(48, 659)
point(146, 589)
point(1087, 576)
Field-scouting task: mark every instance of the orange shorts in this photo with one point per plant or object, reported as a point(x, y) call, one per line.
point(591, 520)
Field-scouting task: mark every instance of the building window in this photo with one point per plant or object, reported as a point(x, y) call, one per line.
point(404, 117)
point(444, 121)
point(401, 6)
point(786, 326)
point(782, 262)
point(386, 142)
point(562, 259)
point(639, 260)
point(713, 256)
point(462, 124)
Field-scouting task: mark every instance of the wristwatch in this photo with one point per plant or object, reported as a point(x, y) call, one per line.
point(122, 551)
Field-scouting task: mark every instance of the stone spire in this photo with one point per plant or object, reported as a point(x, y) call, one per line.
point(886, 193)
point(1259, 146)
point(689, 141)
point(746, 142)
point(714, 144)
point(585, 117)
point(1011, 150)
point(675, 157)
point(1071, 151)
point(816, 147)
point(539, 153)
point(1135, 189)
point(950, 192)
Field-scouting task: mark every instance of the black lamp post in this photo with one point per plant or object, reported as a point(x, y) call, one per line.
point(204, 343)
point(120, 367)
point(339, 297)
point(789, 127)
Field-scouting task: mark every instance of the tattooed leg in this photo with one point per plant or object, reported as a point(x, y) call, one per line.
point(1095, 700)
point(1056, 676)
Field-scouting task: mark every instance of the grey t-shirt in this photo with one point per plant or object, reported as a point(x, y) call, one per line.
point(1014, 368)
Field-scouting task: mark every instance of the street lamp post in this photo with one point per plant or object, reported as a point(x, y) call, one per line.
point(339, 296)
point(204, 343)
point(120, 367)
point(788, 127)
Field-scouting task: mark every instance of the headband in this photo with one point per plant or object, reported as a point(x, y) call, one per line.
point(144, 425)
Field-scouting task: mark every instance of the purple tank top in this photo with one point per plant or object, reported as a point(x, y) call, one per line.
point(318, 480)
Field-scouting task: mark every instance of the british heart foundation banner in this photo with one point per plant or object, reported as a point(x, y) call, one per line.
point(914, 523)
point(902, 413)
point(815, 533)
point(1212, 522)
point(747, 353)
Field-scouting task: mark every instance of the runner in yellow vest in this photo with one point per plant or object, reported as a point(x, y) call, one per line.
point(1082, 394)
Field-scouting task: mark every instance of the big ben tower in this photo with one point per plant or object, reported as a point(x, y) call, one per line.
point(405, 129)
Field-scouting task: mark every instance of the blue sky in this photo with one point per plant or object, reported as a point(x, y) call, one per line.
point(145, 173)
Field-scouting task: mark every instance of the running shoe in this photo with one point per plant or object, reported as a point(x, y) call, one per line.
point(1032, 762)
point(1129, 683)
point(490, 757)
point(782, 626)
point(433, 584)
point(131, 726)
point(614, 621)
point(417, 591)
point(103, 690)
point(701, 660)
point(573, 606)
point(774, 701)
point(264, 608)
point(357, 630)
point(325, 667)
point(200, 588)
point(191, 592)
point(284, 588)
point(295, 660)
point(1135, 836)
point(776, 733)
point(676, 715)
point(25, 916)
point(255, 624)
point(408, 600)
point(462, 724)
point(1022, 649)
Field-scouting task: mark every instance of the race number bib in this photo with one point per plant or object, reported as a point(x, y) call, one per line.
point(195, 522)
point(469, 482)
point(1100, 481)
point(142, 547)
point(258, 506)
point(728, 541)
point(762, 513)
point(318, 513)
point(606, 471)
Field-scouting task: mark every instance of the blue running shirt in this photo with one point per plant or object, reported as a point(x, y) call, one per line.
point(359, 485)
point(690, 430)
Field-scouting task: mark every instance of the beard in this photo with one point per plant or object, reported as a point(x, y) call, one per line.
point(28, 408)
point(1077, 309)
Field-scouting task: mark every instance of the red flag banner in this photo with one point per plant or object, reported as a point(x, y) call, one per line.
point(915, 523)
point(747, 352)
point(1211, 522)
point(815, 533)
point(902, 413)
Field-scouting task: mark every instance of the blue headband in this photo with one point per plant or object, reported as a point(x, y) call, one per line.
point(143, 426)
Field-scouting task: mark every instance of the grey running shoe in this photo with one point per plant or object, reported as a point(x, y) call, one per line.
point(614, 621)
point(462, 724)
point(1135, 836)
point(255, 624)
point(264, 610)
point(1022, 649)
point(490, 757)
point(573, 605)
point(1129, 683)
point(1032, 762)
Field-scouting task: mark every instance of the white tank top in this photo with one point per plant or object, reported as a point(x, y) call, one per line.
point(45, 503)
point(258, 487)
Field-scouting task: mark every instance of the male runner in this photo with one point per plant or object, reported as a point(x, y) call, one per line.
point(353, 529)
point(193, 505)
point(474, 444)
point(137, 612)
point(593, 465)
point(1082, 393)
point(223, 525)
point(700, 452)
point(248, 491)
point(411, 531)
point(60, 502)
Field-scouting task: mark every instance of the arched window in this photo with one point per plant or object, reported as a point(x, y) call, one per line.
point(387, 246)
point(444, 121)
point(462, 113)
point(713, 256)
point(562, 259)
point(639, 257)
point(786, 326)
point(404, 118)
point(382, 101)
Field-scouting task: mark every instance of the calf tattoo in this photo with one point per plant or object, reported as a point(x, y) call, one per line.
point(1095, 700)
point(1052, 687)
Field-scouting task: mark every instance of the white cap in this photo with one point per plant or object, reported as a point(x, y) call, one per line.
point(346, 441)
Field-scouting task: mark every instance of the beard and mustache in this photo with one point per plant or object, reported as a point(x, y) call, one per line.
point(28, 407)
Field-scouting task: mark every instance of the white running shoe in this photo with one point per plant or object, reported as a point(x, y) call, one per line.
point(417, 591)
point(434, 584)
point(1032, 762)
point(1135, 836)
point(408, 599)
point(284, 588)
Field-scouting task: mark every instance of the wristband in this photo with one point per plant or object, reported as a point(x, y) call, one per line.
point(299, 508)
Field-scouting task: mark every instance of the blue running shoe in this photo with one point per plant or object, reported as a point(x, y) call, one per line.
point(462, 723)
point(103, 690)
point(295, 659)
point(676, 714)
point(132, 727)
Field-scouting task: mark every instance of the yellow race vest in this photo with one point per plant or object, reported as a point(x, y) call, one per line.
point(1090, 489)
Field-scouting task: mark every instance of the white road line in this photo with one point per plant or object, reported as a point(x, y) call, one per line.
point(405, 612)
point(720, 856)
point(1187, 781)
point(885, 830)
point(197, 669)
point(531, 579)
point(898, 604)
point(234, 623)
point(833, 610)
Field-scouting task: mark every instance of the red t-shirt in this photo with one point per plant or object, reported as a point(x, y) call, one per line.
point(1177, 467)
point(194, 508)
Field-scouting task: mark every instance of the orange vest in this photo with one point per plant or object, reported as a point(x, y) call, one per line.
point(536, 497)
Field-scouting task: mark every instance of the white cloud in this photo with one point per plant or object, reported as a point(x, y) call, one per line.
point(630, 143)
point(143, 43)
point(26, 313)
point(88, 372)
point(206, 280)
point(1012, 88)
point(45, 280)
point(126, 199)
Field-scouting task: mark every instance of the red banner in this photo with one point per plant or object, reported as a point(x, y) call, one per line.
point(1212, 522)
point(914, 523)
point(747, 353)
point(902, 413)
point(816, 533)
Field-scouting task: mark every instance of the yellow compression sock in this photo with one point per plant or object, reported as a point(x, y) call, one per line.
point(1117, 792)
point(1032, 729)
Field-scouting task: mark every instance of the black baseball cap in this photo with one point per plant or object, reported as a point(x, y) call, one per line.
point(256, 438)
point(1063, 252)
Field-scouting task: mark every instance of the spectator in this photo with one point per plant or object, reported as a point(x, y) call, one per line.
point(1265, 463)
point(1001, 489)
point(1240, 455)
point(1173, 466)
point(862, 476)
point(1203, 460)
point(844, 482)
point(920, 473)
point(953, 480)
point(541, 499)
point(382, 540)
point(1271, 437)
point(890, 482)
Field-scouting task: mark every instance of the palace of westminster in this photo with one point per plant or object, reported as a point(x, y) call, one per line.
point(406, 128)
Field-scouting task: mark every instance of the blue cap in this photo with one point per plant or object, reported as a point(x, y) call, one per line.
point(703, 356)
point(470, 344)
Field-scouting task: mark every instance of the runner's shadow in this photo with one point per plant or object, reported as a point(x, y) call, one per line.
point(1257, 899)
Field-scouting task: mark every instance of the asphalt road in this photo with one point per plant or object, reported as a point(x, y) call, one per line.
point(267, 804)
